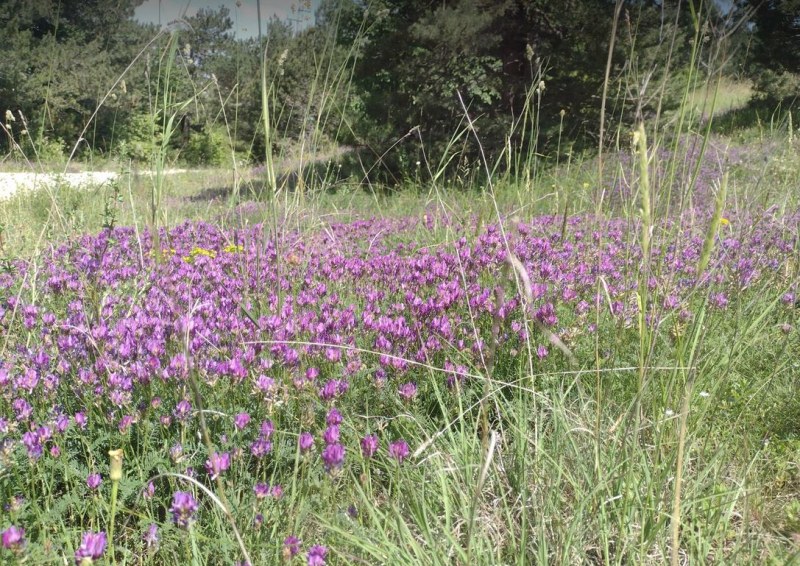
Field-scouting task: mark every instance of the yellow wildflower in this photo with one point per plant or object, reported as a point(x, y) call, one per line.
point(233, 249)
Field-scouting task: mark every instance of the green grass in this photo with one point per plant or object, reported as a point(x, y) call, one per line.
point(579, 466)
point(671, 442)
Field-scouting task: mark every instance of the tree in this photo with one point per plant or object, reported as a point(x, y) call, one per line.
point(416, 59)
point(775, 56)
point(58, 62)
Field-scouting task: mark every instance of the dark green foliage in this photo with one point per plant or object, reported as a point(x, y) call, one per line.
point(774, 56)
point(60, 59)
point(419, 60)
point(776, 25)
point(394, 79)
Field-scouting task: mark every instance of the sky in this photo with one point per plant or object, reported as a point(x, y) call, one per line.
point(244, 13)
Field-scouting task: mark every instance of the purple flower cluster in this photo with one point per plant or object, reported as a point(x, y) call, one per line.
point(183, 508)
point(92, 547)
point(217, 463)
point(93, 481)
point(292, 333)
point(13, 538)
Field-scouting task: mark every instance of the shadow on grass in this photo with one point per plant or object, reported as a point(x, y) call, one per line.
point(765, 115)
point(313, 177)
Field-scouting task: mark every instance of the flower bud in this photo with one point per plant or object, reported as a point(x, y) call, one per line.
point(116, 464)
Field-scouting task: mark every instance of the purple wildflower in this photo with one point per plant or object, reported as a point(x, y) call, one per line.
point(333, 456)
point(331, 434)
point(241, 420)
point(316, 555)
point(125, 423)
point(183, 508)
point(13, 538)
point(291, 546)
point(176, 452)
point(267, 428)
point(217, 464)
point(80, 420)
point(150, 536)
point(94, 481)
point(408, 390)
point(334, 417)
point(182, 410)
point(398, 450)
point(260, 448)
point(718, 300)
point(32, 445)
point(149, 491)
point(92, 547)
point(262, 490)
point(369, 445)
point(306, 441)
point(329, 390)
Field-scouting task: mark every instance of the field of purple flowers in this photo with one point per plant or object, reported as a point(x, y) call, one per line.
point(385, 390)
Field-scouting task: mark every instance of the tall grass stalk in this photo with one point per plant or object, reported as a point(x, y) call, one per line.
point(713, 228)
point(606, 80)
point(168, 110)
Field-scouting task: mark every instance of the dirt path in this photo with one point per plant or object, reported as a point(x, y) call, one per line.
point(13, 182)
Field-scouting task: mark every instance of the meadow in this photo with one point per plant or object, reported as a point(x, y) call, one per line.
point(594, 364)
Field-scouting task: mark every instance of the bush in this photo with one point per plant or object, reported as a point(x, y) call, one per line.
point(137, 138)
point(209, 147)
point(43, 150)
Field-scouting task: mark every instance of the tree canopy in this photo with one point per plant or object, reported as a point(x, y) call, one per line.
point(379, 74)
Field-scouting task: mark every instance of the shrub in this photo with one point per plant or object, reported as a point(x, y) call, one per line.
point(209, 147)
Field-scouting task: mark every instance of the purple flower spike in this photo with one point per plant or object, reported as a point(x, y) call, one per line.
point(182, 410)
point(333, 456)
point(92, 547)
point(331, 434)
point(94, 481)
point(398, 450)
point(80, 420)
point(316, 555)
point(306, 441)
point(150, 536)
point(183, 508)
point(261, 490)
point(334, 417)
point(241, 420)
point(267, 428)
point(217, 464)
point(291, 546)
point(369, 445)
point(13, 538)
point(408, 390)
point(149, 491)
